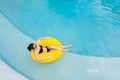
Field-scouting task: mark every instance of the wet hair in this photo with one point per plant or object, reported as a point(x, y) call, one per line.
point(30, 46)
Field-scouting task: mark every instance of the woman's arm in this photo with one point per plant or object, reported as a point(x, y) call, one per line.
point(41, 39)
point(39, 59)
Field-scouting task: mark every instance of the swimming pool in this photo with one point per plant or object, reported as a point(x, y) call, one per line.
point(92, 26)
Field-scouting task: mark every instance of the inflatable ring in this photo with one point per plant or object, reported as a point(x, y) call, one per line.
point(54, 54)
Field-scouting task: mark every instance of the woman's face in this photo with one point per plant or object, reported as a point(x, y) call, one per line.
point(34, 45)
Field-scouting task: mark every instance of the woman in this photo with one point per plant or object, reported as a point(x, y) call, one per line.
point(40, 49)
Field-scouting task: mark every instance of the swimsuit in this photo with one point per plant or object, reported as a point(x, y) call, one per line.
point(41, 49)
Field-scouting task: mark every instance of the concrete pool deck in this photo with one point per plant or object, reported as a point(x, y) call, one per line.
point(7, 73)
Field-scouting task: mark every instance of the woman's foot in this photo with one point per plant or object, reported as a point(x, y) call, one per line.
point(70, 45)
point(65, 47)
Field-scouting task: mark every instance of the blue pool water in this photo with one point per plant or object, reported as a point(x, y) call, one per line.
point(92, 26)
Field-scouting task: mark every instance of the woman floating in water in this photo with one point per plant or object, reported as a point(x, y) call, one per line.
point(38, 49)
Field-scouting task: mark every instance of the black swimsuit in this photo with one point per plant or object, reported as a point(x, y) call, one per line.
point(41, 49)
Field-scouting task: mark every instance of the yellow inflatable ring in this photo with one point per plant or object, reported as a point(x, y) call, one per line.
point(54, 54)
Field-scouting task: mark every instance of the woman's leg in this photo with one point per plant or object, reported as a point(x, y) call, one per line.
point(59, 47)
point(65, 47)
point(55, 48)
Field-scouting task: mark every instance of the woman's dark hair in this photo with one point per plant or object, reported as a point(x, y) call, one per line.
point(30, 46)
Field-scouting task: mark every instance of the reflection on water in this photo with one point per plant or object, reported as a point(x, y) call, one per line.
point(113, 4)
point(107, 12)
point(70, 8)
point(79, 8)
point(103, 19)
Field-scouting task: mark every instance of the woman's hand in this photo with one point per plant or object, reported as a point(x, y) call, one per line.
point(44, 38)
point(49, 57)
